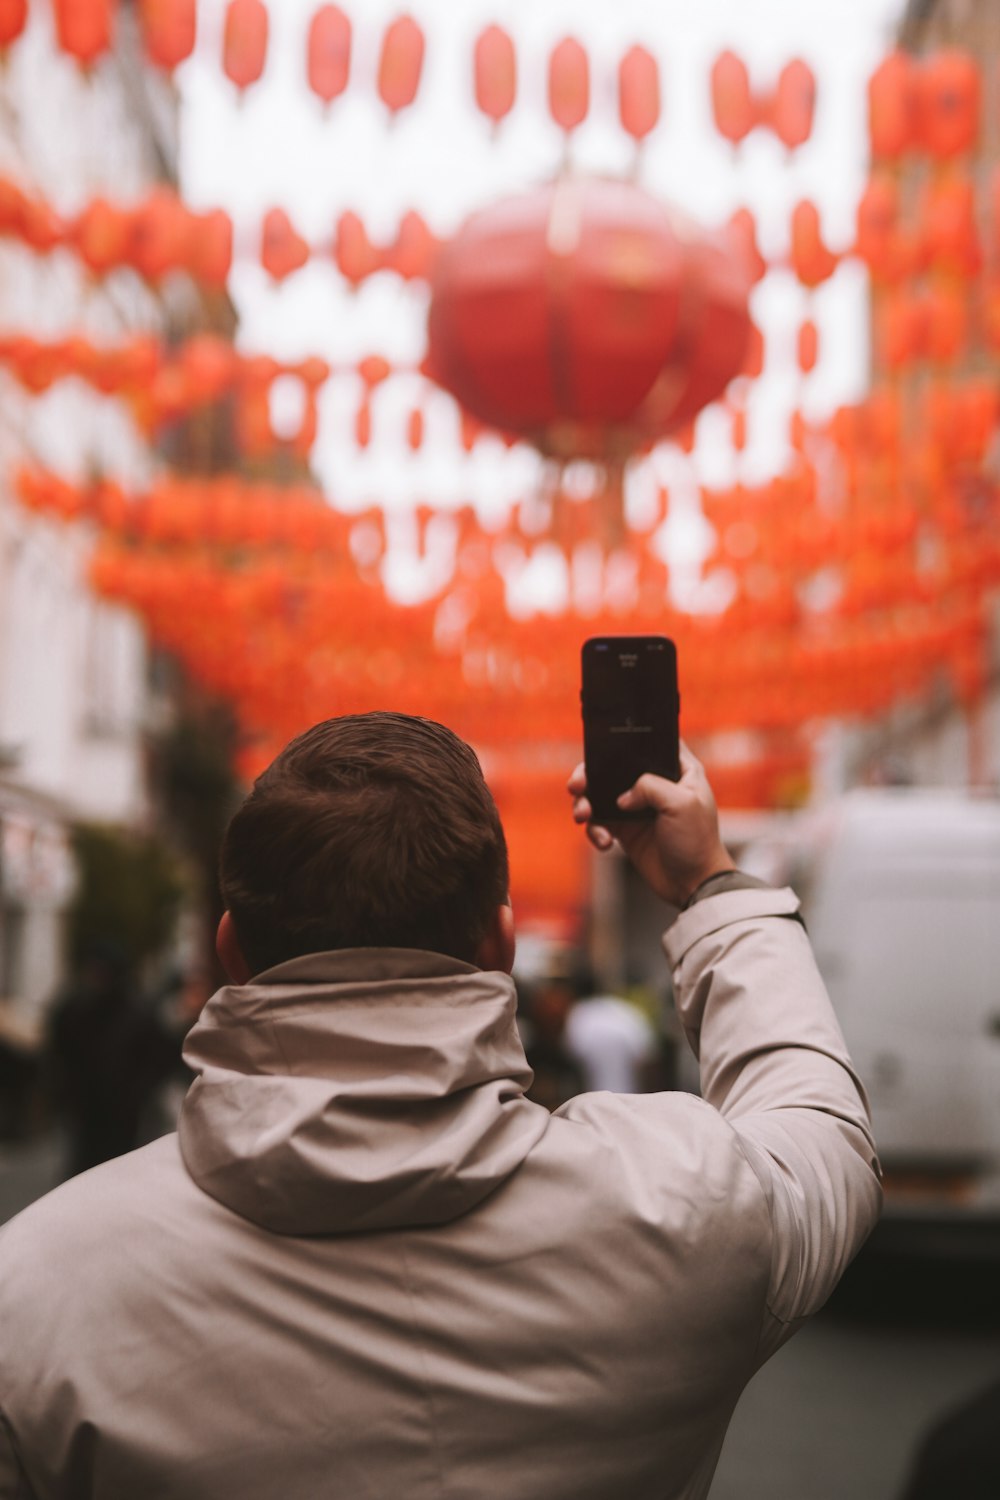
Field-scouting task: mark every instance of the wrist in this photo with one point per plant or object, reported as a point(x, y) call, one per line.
point(730, 879)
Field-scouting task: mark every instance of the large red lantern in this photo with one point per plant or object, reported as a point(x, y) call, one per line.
point(586, 317)
point(328, 58)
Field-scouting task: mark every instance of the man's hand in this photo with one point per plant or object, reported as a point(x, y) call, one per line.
point(678, 848)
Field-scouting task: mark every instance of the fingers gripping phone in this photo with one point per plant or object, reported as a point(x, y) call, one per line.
point(631, 712)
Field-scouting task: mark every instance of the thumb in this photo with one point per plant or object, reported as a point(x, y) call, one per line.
point(654, 792)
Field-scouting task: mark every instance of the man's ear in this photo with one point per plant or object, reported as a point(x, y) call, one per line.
point(227, 946)
point(497, 947)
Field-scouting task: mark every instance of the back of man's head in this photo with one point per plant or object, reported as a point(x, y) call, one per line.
point(372, 830)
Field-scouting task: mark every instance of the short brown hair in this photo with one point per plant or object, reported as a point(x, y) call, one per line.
point(371, 830)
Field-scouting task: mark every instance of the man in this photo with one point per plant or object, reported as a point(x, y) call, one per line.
point(367, 1266)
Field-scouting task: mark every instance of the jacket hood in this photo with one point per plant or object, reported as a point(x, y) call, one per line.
point(358, 1090)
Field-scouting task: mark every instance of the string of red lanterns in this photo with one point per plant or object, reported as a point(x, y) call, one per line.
point(85, 29)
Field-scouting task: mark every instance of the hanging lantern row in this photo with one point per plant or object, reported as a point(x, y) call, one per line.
point(161, 235)
point(916, 520)
point(911, 548)
point(952, 229)
point(85, 29)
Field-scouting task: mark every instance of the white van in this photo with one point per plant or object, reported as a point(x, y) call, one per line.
point(901, 895)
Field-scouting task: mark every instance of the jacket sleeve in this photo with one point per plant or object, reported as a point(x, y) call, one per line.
point(774, 1064)
point(13, 1481)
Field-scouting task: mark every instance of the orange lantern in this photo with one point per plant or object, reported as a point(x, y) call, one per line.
point(808, 346)
point(353, 251)
point(733, 105)
point(900, 329)
point(400, 64)
point(949, 104)
point(878, 218)
point(13, 18)
point(101, 236)
point(283, 250)
point(162, 231)
point(892, 106)
point(811, 261)
point(168, 30)
point(244, 42)
point(742, 233)
point(949, 226)
point(210, 252)
point(208, 363)
point(412, 253)
point(946, 323)
point(495, 73)
point(794, 104)
point(328, 54)
point(639, 93)
point(83, 27)
point(569, 84)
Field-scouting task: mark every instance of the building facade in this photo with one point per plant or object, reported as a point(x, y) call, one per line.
point(73, 670)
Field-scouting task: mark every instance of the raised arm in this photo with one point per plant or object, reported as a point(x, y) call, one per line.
point(772, 1058)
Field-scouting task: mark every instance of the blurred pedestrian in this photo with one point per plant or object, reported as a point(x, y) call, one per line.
point(611, 1041)
point(367, 1264)
point(107, 1054)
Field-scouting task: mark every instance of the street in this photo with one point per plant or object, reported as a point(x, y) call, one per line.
point(836, 1415)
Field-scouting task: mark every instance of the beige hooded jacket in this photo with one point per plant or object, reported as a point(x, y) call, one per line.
point(367, 1266)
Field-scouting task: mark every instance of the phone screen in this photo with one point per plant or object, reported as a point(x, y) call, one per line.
point(630, 716)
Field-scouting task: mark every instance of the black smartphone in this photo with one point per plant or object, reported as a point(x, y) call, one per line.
point(631, 717)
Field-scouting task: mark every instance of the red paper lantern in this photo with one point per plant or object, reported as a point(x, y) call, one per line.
point(83, 27)
point(569, 84)
point(210, 253)
point(244, 42)
point(581, 316)
point(794, 104)
point(101, 235)
point(877, 221)
point(949, 102)
point(400, 64)
point(353, 251)
point(808, 346)
point(162, 232)
point(742, 233)
point(283, 250)
point(495, 73)
point(13, 18)
point(328, 56)
point(949, 226)
point(812, 262)
point(168, 31)
point(733, 104)
point(892, 106)
point(412, 253)
point(639, 93)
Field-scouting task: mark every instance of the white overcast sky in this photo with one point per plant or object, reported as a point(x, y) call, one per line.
point(276, 148)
